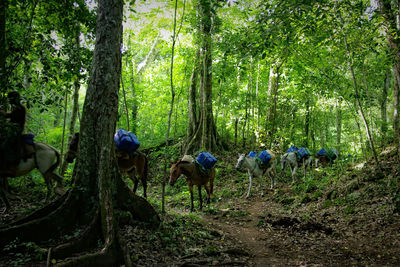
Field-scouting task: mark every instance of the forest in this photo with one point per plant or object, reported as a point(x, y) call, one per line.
point(294, 106)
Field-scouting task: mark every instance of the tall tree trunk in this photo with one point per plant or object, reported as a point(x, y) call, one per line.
point(392, 29)
point(208, 140)
point(3, 51)
point(205, 137)
point(170, 110)
point(257, 99)
point(396, 85)
point(75, 102)
point(273, 86)
point(246, 116)
point(383, 101)
point(357, 98)
point(99, 189)
point(236, 130)
point(307, 123)
point(338, 124)
point(192, 105)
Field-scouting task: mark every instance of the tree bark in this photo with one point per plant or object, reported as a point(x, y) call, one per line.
point(396, 86)
point(307, 123)
point(383, 101)
point(75, 101)
point(3, 51)
point(192, 105)
point(273, 86)
point(99, 195)
point(338, 124)
point(205, 136)
point(392, 29)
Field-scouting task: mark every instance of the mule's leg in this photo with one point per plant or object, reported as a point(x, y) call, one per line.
point(144, 183)
point(294, 169)
point(207, 188)
point(5, 200)
point(211, 187)
point(49, 187)
point(191, 197)
point(250, 183)
point(201, 199)
point(272, 177)
point(135, 184)
point(59, 190)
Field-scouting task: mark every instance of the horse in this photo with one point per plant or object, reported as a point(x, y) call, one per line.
point(291, 159)
point(128, 164)
point(39, 156)
point(194, 176)
point(254, 170)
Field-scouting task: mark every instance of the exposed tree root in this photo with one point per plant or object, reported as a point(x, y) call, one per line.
point(49, 208)
point(65, 214)
point(138, 206)
point(105, 257)
point(60, 220)
point(86, 239)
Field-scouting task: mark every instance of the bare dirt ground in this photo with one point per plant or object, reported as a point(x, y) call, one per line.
point(274, 236)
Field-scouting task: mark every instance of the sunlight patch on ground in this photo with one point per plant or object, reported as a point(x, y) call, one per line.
point(360, 166)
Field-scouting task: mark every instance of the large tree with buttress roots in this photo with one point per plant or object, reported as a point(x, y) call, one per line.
point(100, 201)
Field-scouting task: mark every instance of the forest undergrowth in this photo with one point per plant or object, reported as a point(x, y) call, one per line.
point(344, 215)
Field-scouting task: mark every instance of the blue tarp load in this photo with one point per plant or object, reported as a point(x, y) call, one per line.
point(264, 156)
point(332, 153)
point(206, 160)
point(28, 138)
point(126, 141)
point(252, 154)
point(321, 152)
point(292, 149)
point(303, 152)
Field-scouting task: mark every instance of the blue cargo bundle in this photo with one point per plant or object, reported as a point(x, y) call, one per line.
point(292, 149)
point(28, 138)
point(321, 152)
point(264, 156)
point(206, 160)
point(252, 154)
point(303, 152)
point(332, 153)
point(126, 141)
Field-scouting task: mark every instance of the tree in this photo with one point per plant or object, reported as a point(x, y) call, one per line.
point(99, 198)
point(205, 136)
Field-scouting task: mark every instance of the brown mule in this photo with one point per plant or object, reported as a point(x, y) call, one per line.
point(129, 164)
point(194, 176)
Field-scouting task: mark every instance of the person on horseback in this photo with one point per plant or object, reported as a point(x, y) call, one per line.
point(12, 143)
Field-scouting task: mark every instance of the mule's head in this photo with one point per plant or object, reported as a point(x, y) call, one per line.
point(72, 148)
point(240, 161)
point(174, 173)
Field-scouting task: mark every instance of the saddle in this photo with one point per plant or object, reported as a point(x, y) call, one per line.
point(203, 171)
point(264, 166)
point(13, 150)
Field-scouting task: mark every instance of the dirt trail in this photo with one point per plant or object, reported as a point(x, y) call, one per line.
point(246, 231)
point(274, 236)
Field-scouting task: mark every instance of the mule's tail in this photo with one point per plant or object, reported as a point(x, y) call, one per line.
point(55, 164)
point(146, 167)
point(53, 167)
